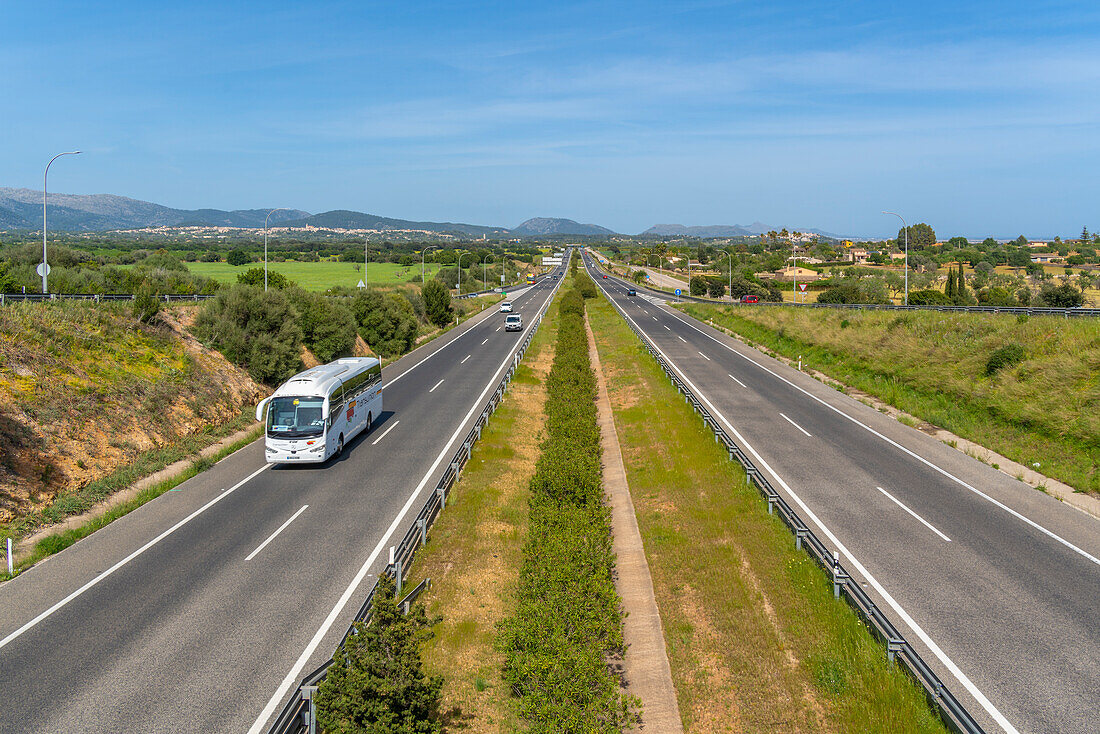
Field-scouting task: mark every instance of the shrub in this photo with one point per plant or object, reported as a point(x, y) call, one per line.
point(698, 286)
point(437, 303)
point(147, 304)
point(716, 287)
point(238, 257)
point(255, 277)
point(585, 285)
point(1006, 356)
point(386, 322)
point(328, 326)
point(843, 293)
point(928, 297)
point(210, 257)
point(376, 682)
point(1061, 296)
point(256, 330)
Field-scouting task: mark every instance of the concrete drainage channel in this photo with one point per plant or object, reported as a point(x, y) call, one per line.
point(953, 713)
point(299, 715)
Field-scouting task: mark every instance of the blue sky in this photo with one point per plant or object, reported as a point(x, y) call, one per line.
point(978, 117)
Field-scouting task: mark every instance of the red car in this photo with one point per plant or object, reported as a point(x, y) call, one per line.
point(605, 277)
point(750, 299)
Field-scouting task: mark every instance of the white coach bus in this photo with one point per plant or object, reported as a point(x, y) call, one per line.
point(313, 414)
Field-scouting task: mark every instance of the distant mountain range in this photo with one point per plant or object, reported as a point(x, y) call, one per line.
point(22, 209)
point(543, 226)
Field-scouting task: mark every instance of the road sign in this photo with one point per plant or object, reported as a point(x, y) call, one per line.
point(677, 291)
point(802, 287)
point(361, 285)
point(41, 267)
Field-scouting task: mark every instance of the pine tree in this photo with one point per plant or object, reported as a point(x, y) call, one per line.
point(1085, 236)
point(949, 290)
point(961, 294)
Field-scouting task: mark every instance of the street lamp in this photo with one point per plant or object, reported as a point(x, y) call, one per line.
point(905, 228)
point(45, 267)
point(366, 259)
point(279, 209)
point(459, 285)
point(485, 270)
point(423, 254)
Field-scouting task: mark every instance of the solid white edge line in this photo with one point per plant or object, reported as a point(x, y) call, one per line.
point(901, 448)
point(436, 385)
point(796, 425)
point(736, 380)
point(292, 677)
point(926, 523)
point(271, 537)
point(385, 432)
point(464, 359)
point(130, 557)
point(909, 621)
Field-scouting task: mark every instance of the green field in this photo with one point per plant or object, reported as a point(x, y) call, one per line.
point(318, 276)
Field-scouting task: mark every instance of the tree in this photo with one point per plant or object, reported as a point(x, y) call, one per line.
point(716, 287)
point(328, 326)
point(1061, 296)
point(238, 257)
point(255, 277)
point(147, 303)
point(437, 302)
point(928, 297)
point(957, 243)
point(1019, 258)
point(386, 322)
point(1085, 236)
point(256, 330)
point(376, 682)
point(7, 282)
point(921, 236)
point(698, 286)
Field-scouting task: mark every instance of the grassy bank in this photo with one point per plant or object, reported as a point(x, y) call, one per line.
point(476, 550)
point(1043, 408)
point(754, 637)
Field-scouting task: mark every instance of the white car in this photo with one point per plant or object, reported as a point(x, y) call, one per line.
point(506, 307)
point(513, 322)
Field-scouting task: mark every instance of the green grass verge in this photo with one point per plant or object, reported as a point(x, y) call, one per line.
point(755, 639)
point(147, 463)
point(1044, 410)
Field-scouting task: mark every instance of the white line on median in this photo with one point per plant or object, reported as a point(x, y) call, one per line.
point(385, 432)
point(954, 669)
point(295, 671)
point(436, 385)
point(130, 557)
point(926, 523)
point(796, 425)
point(271, 537)
point(736, 380)
point(464, 359)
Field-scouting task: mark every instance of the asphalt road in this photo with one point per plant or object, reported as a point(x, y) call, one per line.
point(996, 584)
point(178, 618)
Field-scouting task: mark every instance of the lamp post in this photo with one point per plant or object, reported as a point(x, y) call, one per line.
point(459, 285)
point(423, 254)
point(905, 228)
point(278, 209)
point(366, 259)
point(485, 270)
point(45, 266)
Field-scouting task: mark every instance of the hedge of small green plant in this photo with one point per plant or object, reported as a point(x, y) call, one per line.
point(567, 622)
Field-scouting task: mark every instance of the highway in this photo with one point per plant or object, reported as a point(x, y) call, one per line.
point(995, 584)
point(202, 609)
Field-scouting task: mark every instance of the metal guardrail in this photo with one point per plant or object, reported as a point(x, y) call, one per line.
point(952, 711)
point(97, 297)
point(1029, 310)
point(298, 716)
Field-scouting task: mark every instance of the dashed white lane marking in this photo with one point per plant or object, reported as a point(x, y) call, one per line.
point(925, 522)
point(685, 341)
point(384, 433)
point(436, 385)
point(271, 537)
point(704, 356)
point(796, 425)
point(736, 380)
point(464, 359)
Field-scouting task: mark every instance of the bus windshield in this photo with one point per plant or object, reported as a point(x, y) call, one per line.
point(289, 417)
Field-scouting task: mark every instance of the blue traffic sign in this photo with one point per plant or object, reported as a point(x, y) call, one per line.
point(677, 291)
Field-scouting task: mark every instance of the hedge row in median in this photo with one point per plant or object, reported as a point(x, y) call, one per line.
point(568, 618)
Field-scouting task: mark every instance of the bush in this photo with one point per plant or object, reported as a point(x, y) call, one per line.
point(376, 682)
point(256, 330)
point(328, 326)
point(238, 257)
point(1060, 296)
point(844, 293)
point(210, 257)
point(716, 287)
point(698, 286)
point(387, 322)
point(928, 297)
point(255, 277)
point(1006, 356)
point(585, 285)
point(147, 303)
point(437, 303)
